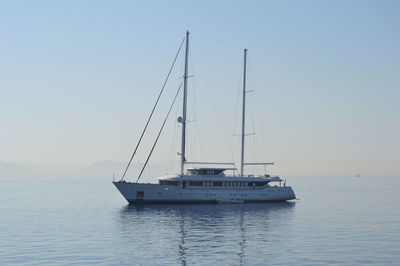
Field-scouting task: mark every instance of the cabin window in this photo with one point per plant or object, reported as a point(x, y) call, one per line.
point(171, 183)
point(204, 171)
point(195, 183)
point(217, 184)
point(260, 184)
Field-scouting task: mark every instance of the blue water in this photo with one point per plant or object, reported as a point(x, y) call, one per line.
point(64, 221)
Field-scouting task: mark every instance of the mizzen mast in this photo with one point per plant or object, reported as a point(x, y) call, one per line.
point(243, 113)
point(242, 163)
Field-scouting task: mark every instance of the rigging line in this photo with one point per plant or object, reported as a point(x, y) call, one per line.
point(159, 133)
point(173, 145)
point(217, 116)
point(197, 147)
point(235, 145)
point(152, 111)
point(268, 125)
point(216, 41)
point(190, 131)
point(259, 126)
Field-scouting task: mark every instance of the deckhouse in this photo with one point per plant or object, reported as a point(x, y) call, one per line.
point(215, 177)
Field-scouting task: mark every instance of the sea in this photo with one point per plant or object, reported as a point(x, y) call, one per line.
point(85, 221)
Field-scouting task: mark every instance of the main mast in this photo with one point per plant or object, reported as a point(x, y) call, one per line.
point(183, 119)
point(243, 113)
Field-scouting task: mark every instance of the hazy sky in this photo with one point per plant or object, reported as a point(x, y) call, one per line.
point(78, 79)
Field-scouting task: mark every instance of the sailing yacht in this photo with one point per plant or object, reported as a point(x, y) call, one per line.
point(207, 184)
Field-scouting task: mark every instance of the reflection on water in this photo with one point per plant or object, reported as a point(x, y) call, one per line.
point(79, 222)
point(204, 230)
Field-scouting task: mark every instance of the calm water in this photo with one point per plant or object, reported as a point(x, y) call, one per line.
point(49, 221)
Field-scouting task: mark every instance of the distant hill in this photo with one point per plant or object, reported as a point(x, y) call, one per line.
point(15, 169)
point(105, 165)
point(104, 168)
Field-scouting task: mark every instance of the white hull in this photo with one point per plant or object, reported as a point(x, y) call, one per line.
point(157, 193)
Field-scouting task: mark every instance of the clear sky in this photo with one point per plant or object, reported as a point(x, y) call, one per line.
point(78, 79)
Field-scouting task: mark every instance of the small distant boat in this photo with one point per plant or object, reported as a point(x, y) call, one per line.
point(358, 172)
point(207, 184)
